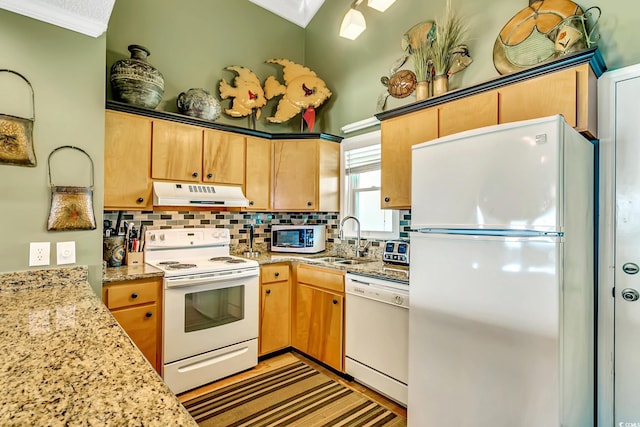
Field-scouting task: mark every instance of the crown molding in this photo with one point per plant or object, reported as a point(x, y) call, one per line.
point(89, 17)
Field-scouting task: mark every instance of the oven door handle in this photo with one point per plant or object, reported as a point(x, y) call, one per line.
point(175, 282)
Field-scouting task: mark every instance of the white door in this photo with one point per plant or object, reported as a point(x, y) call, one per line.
point(627, 255)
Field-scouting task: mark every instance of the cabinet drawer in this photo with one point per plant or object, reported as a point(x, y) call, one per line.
point(133, 293)
point(141, 324)
point(321, 278)
point(274, 273)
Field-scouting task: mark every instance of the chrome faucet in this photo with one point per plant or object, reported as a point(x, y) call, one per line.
point(360, 251)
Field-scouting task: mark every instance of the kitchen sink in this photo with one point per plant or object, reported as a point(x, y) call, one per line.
point(352, 261)
point(341, 261)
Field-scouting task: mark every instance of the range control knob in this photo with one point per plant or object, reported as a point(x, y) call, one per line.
point(398, 299)
point(162, 237)
point(153, 237)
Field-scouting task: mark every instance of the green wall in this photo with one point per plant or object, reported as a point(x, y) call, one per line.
point(66, 70)
point(353, 68)
point(192, 41)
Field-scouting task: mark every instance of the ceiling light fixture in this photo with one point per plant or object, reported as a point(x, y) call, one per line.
point(353, 23)
point(380, 5)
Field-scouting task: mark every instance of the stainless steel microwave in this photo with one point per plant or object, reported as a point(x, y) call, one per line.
point(306, 239)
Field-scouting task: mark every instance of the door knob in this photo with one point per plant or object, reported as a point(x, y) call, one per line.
point(630, 295)
point(630, 268)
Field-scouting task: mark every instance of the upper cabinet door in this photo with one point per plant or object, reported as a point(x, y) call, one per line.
point(398, 136)
point(223, 158)
point(176, 151)
point(295, 163)
point(543, 96)
point(257, 178)
point(472, 112)
point(127, 159)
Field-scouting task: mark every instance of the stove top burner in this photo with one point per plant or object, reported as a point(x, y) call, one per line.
point(168, 262)
point(236, 261)
point(221, 258)
point(180, 266)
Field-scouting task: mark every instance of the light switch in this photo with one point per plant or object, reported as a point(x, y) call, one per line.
point(66, 252)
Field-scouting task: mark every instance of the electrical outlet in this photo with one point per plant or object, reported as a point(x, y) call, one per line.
point(39, 253)
point(66, 252)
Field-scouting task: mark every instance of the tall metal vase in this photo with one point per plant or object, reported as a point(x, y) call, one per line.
point(440, 84)
point(422, 90)
point(135, 81)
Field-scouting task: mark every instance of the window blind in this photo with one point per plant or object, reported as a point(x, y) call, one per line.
point(363, 159)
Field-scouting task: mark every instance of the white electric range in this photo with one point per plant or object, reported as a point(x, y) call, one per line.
point(210, 305)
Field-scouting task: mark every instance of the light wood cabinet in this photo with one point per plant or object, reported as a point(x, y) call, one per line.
point(257, 179)
point(319, 315)
point(127, 160)
point(570, 92)
point(176, 151)
point(398, 136)
point(472, 112)
point(275, 308)
point(137, 306)
point(305, 175)
point(183, 152)
point(223, 158)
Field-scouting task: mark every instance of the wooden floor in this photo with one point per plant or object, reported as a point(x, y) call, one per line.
point(285, 359)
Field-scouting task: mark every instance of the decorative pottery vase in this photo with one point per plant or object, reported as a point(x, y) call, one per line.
point(199, 103)
point(135, 81)
point(113, 250)
point(422, 90)
point(440, 84)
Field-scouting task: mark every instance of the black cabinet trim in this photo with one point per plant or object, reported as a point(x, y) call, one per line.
point(592, 56)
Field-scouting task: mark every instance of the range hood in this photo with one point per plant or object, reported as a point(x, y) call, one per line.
point(200, 195)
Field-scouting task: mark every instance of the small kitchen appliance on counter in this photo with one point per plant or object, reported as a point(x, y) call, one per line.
point(396, 252)
point(210, 321)
point(303, 239)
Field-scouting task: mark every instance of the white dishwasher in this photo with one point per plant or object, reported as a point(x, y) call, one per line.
point(377, 334)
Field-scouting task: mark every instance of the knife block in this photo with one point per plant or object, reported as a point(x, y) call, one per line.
point(135, 258)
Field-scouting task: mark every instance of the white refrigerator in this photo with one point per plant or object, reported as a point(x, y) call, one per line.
point(501, 318)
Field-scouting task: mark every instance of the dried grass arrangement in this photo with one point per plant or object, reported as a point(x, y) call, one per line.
point(447, 40)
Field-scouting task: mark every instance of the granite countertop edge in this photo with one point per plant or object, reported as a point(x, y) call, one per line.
point(68, 362)
point(372, 267)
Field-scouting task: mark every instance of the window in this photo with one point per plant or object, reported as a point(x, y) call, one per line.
point(361, 189)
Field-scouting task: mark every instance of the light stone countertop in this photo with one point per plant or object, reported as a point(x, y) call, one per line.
point(66, 361)
point(372, 268)
point(117, 274)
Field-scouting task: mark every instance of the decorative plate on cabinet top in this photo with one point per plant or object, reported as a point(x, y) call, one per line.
point(538, 33)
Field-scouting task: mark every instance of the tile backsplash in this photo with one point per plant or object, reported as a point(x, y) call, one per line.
point(238, 223)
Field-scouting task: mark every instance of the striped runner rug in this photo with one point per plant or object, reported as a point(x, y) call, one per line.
point(293, 395)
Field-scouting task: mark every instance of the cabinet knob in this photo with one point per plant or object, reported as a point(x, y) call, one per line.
point(335, 301)
point(209, 175)
point(250, 202)
point(309, 203)
point(195, 174)
point(140, 200)
point(148, 314)
point(268, 291)
point(134, 295)
point(386, 199)
point(277, 273)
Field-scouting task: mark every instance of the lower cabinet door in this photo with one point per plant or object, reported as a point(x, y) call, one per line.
point(319, 325)
point(141, 324)
point(275, 317)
